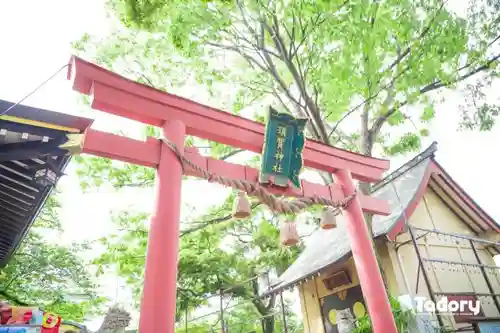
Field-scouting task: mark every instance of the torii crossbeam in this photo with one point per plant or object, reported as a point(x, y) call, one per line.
point(179, 117)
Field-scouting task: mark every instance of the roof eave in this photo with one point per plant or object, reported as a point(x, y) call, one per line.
point(47, 192)
point(402, 220)
point(46, 116)
point(39, 118)
point(464, 198)
point(277, 288)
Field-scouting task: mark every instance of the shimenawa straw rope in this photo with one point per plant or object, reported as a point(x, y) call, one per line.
point(275, 203)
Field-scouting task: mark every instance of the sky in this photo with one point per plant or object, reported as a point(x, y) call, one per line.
point(36, 42)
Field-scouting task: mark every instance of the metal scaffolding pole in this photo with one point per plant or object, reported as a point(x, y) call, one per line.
point(424, 273)
point(486, 278)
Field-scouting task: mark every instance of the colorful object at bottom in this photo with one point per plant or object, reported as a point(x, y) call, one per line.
point(16, 330)
point(50, 323)
point(31, 316)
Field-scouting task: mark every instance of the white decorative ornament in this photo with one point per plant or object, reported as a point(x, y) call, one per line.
point(345, 321)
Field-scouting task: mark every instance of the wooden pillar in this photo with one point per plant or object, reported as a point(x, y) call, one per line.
point(160, 276)
point(365, 260)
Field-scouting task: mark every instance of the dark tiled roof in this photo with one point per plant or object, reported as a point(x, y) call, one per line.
point(52, 117)
point(326, 247)
point(25, 146)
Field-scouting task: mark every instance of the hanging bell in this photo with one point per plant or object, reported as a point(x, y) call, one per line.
point(328, 219)
point(288, 233)
point(241, 206)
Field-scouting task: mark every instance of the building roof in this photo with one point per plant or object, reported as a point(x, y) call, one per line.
point(453, 195)
point(403, 189)
point(29, 138)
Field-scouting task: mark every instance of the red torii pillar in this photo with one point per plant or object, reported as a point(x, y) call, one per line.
point(179, 117)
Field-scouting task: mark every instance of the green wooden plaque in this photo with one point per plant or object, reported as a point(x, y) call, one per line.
point(282, 152)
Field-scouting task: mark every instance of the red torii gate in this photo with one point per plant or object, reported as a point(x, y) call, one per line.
point(179, 117)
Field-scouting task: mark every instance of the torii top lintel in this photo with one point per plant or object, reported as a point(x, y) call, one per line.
point(117, 95)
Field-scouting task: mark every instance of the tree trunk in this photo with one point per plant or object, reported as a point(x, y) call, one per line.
point(266, 321)
point(268, 324)
point(365, 188)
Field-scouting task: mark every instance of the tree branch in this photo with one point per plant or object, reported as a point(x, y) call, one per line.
point(267, 65)
point(13, 298)
point(396, 62)
point(440, 84)
point(212, 222)
point(366, 137)
point(314, 113)
point(377, 125)
point(420, 37)
point(231, 154)
point(494, 40)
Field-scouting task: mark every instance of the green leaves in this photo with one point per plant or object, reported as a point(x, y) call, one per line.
point(483, 120)
point(396, 119)
point(428, 114)
point(404, 319)
point(215, 253)
point(295, 52)
point(388, 54)
point(408, 142)
point(96, 171)
point(51, 276)
point(141, 14)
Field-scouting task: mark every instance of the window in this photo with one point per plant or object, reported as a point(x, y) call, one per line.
point(337, 280)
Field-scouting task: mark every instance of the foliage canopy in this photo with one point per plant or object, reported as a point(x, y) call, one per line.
point(51, 276)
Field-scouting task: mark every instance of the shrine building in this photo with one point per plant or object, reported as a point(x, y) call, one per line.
point(436, 242)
